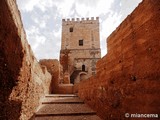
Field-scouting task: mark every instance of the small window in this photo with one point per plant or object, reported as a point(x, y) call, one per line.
point(83, 67)
point(80, 42)
point(71, 29)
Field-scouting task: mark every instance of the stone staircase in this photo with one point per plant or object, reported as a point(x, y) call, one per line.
point(64, 107)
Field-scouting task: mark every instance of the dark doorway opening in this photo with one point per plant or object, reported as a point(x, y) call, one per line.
point(83, 67)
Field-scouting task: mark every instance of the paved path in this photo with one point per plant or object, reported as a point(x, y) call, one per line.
point(64, 107)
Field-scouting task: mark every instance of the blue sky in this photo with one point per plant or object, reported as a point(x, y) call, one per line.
point(42, 20)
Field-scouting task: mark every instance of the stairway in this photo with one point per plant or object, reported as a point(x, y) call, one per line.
point(64, 107)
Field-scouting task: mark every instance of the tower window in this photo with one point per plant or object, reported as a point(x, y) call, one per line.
point(83, 67)
point(71, 29)
point(80, 42)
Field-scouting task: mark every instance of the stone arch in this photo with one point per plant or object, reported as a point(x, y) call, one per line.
point(83, 76)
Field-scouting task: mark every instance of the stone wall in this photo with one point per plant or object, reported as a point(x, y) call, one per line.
point(22, 80)
point(53, 67)
point(65, 89)
point(128, 77)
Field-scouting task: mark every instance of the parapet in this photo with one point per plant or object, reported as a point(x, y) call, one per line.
point(81, 20)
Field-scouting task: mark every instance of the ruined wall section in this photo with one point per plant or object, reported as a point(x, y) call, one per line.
point(22, 80)
point(54, 68)
point(127, 79)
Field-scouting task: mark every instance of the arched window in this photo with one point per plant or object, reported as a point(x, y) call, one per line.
point(83, 67)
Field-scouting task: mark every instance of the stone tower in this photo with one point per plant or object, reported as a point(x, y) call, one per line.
point(80, 49)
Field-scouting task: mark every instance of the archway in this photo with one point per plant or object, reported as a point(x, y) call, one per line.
point(83, 76)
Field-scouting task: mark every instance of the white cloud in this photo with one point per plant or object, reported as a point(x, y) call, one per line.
point(58, 33)
point(29, 5)
point(42, 20)
point(107, 26)
point(127, 7)
point(103, 6)
point(110, 23)
point(42, 24)
point(82, 9)
point(92, 8)
point(40, 39)
point(35, 38)
point(64, 8)
point(32, 30)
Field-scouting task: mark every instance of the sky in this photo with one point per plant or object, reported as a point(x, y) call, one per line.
point(42, 20)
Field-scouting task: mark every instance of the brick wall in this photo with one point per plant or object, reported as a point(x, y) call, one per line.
point(128, 77)
point(23, 82)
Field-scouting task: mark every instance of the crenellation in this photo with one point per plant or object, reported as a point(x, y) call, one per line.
point(97, 18)
point(88, 20)
point(63, 20)
point(126, 79)
point(82, 19)
point(81, 42)
point(68, 19)
point(77, 19)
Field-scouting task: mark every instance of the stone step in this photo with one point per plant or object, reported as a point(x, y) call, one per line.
point(64, 114)
point(62, 100)
point(64, 109)
point(61, 95)
point(78, 117)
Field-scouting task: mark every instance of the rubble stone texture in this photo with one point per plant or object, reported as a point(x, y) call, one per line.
point(22, 80)
point(126, 81)
point(128, 77)
point(55, 69)
point(80, 49)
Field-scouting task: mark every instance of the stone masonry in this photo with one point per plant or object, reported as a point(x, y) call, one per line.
point(126, 80)
point(23, 81)
point(128, 77)
point(80, 49)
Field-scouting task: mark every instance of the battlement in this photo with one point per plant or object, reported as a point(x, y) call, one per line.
point(80, 20)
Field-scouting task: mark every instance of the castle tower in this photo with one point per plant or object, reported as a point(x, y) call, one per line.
point(80, 48)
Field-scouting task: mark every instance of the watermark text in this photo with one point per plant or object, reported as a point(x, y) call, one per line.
point(137, 115)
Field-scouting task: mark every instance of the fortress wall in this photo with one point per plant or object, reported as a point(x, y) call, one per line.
point(127, 79)
point(23, 82)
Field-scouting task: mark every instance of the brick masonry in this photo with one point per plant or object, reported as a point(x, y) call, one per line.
point(127, 79)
